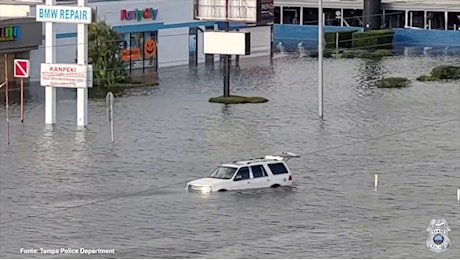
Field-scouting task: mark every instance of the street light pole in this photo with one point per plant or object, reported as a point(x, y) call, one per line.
point(320, 57)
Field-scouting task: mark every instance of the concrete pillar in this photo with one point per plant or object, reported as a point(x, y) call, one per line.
point(281, 14)
point(406, 18)
point(301, 16)
point(50, 57)
point(425, 19)
point(82, 59)
point(341, 17)
point(372, 12)
point(411, 18)
point(446, 20)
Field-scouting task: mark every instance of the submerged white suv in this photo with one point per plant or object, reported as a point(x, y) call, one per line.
point(269, 171)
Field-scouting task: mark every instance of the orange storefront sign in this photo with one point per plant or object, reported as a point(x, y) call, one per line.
point(131, 54)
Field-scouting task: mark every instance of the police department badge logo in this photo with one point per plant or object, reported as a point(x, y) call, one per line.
point(437, 240)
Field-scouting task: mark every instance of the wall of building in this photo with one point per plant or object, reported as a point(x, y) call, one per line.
point(260, 41)
point(172, 22)
point(14, 10)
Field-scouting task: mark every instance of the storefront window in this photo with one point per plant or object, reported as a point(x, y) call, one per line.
point(139, 50)
point(150, 50)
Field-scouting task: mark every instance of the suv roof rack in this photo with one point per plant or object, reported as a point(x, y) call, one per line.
point(283, 156)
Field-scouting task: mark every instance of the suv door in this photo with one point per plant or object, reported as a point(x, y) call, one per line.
point(259, 176)
point(242, 179)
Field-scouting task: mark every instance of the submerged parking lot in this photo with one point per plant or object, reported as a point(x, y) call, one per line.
point(67, 188)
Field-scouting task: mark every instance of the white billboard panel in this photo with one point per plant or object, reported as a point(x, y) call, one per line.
point(66, 75)
point(227, 43)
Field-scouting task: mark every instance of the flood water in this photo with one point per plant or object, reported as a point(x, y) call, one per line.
point(62, 187)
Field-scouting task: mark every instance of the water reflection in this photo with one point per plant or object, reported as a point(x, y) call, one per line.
point(369, 71)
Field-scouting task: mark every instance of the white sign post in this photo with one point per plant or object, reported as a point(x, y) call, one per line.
point(66, 75)
point(82, 59)
point(50, 57)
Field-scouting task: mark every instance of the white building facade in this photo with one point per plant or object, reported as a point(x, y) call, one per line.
point(155, 34)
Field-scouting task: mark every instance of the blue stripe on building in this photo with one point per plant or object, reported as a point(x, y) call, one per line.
point(143, 28)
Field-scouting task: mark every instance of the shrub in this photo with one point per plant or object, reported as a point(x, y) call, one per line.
point(446, 72)
point(427, 78)
point(237, 100)
point(374, 39)
point(345, 39)
point(392, 82)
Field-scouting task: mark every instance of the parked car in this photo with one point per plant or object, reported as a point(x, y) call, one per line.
point(269, 171)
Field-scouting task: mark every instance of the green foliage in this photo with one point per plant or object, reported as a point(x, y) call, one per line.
point(237, 100)
point(392, 82)
point(427, 78)
point(348, 55)
point(374, 39)
point(104, 55)
point(345, 39)
point(443, 72)
point(446, 72)
point(326, 54)
point(382, 53)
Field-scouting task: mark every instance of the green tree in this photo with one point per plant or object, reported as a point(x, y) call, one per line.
point(104, 54)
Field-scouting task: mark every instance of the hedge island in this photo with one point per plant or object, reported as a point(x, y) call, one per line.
point(392, 82)
point(232, 99)
point(443, 72)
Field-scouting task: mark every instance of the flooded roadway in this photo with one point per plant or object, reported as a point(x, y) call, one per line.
point(70, 188)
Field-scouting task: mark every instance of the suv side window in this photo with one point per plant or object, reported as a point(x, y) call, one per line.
point(258, 171)
point(278, 168)
point(242, 174)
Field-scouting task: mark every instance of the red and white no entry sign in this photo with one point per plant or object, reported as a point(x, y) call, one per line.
point(21, 68)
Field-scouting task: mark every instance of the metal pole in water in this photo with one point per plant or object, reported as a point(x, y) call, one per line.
point(227, 67)
point(7, 106)
point(458, 195)
point(376, 181)
point(320, 57)
point(109, 101)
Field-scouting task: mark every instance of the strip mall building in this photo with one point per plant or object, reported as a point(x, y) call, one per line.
point(155, 34)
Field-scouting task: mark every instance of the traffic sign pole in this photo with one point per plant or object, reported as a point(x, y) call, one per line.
point(22, 100)
point(21, 70)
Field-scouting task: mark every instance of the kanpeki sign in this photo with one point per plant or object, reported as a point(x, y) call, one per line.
point(138, 14)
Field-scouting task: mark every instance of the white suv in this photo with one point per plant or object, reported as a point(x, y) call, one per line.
point(269, 171)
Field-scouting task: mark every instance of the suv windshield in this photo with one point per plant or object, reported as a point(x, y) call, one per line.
point(223, 172)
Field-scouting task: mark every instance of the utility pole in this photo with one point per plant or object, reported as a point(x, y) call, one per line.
point(320, 57)
point(227, 67)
